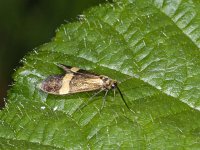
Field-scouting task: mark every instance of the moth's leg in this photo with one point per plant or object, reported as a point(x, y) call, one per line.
point(95, 94)
point(64, 67)
point(91, 98)
point(114, 92)
point(104, 100)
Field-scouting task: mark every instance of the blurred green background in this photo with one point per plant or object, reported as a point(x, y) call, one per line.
point(26, 24)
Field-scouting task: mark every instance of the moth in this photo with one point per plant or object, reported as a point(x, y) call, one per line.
point(76, 80)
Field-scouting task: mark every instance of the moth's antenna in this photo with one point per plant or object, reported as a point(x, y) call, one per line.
point(123, 98)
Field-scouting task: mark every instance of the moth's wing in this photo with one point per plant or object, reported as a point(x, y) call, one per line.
point(52, 84)
point(75, 80)
point(85, 82)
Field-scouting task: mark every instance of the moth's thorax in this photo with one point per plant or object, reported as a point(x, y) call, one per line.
point(108, 83)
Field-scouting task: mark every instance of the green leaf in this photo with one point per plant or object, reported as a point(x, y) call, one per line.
point(150, 47)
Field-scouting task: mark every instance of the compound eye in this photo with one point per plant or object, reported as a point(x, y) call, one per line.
point(105, 79)
point(113, 86)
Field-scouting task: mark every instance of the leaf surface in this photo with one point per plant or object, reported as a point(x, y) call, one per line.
point(150, 47)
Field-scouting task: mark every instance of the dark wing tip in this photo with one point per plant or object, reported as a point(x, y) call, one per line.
point(51, 84)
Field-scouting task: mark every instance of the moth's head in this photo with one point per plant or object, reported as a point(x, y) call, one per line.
point(113, 84)
point(109, 83)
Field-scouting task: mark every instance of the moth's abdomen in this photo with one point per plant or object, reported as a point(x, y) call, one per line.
point(52, 84)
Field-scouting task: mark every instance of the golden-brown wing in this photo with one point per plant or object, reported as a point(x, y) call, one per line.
point(85, 82)
point(74, 81)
